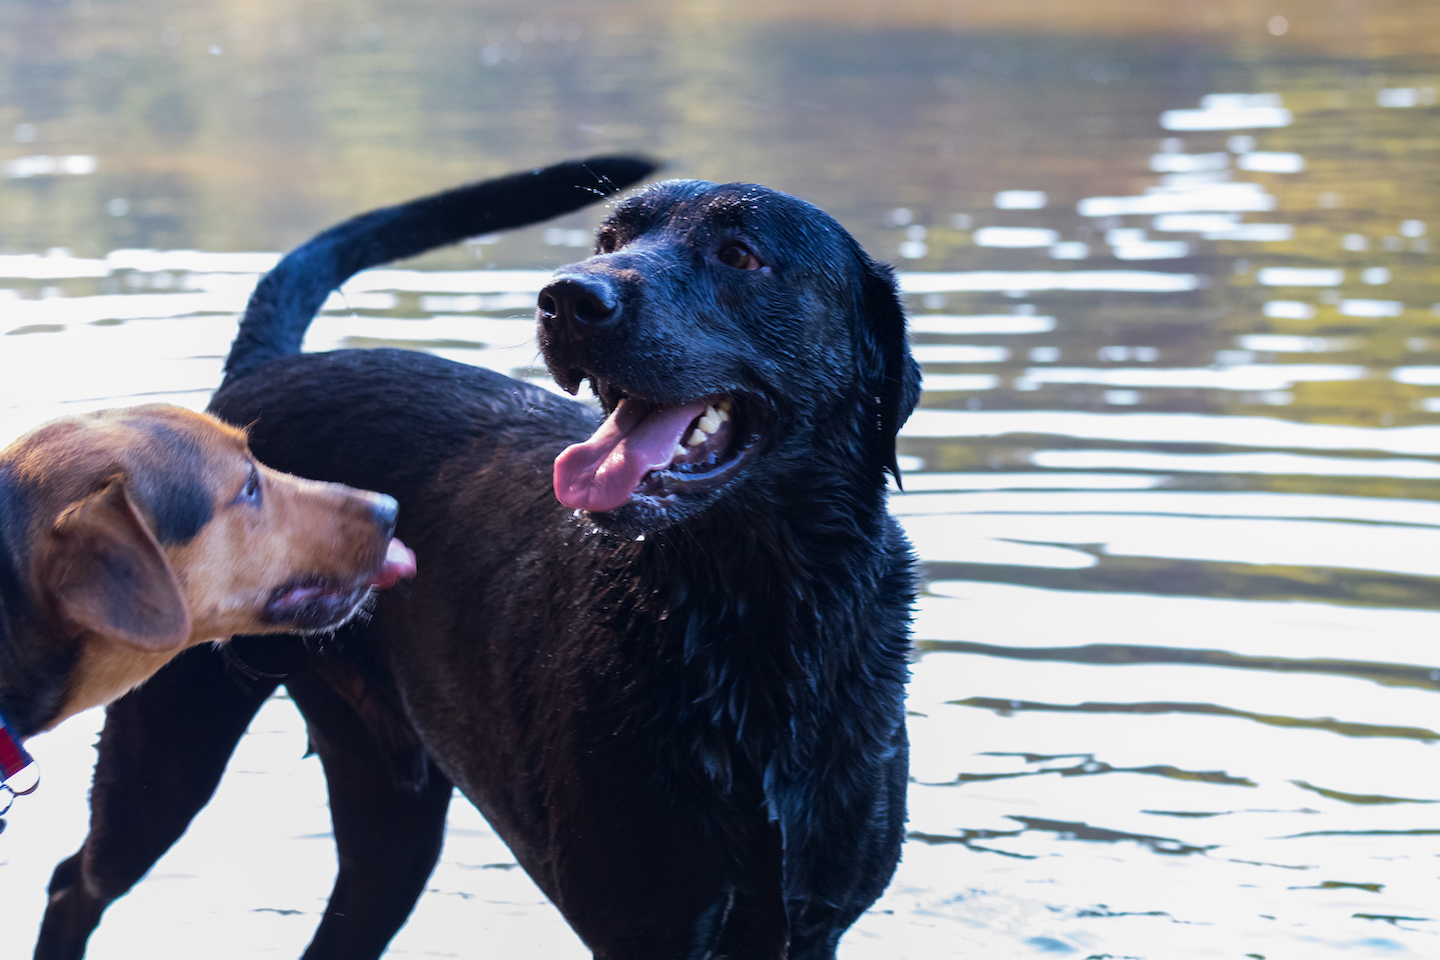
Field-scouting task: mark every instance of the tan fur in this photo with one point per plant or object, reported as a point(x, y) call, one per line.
point(226, 574)
point(106, 672)
point(224, 597)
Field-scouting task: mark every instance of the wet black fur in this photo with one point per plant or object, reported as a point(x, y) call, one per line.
point(693, 741)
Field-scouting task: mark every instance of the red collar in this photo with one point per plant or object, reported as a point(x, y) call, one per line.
point(18, 773)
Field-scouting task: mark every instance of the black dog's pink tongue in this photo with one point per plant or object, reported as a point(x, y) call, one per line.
point(601, 473)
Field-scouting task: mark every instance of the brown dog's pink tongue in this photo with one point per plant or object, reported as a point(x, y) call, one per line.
point(399, 564)
point(601, 473)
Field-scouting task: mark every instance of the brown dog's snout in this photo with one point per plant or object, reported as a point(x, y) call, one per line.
point(325, 530)
point(362, 521)
point(384, 509)
point(578, 301)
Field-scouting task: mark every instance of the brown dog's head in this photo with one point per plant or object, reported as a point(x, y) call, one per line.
point(133, 534)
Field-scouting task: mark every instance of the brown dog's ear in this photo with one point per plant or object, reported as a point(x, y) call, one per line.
point(105, 572)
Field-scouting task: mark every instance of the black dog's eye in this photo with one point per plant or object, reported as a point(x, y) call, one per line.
point(736, 254)
point(606, 242)
point(250, 493)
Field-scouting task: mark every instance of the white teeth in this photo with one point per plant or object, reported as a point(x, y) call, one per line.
point(707, 424)
point(679, 450)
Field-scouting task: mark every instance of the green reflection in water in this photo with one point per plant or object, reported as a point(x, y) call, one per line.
point(1202, 578)
point(1063, 830)
point(1090, 767)
point(1112, 654)
point(366, 343)
point(1357, 798)
point(1007, 707)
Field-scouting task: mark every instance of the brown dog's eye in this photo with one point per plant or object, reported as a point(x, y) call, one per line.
point(736, 254)
point(605, 243)
point(250, 493)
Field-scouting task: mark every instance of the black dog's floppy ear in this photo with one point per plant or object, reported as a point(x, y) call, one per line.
point(890, 370)
point(106, 573)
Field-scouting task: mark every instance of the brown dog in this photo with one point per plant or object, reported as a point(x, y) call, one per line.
point(128, 535)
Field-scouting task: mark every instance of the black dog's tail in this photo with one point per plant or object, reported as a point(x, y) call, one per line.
point(288, 297)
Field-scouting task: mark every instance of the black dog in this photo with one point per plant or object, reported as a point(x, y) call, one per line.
point(677, 693)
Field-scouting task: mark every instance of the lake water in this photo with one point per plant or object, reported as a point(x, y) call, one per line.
point(1173, 277)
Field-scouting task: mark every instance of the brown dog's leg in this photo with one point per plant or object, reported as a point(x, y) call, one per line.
point(387, 803)
point(162, 752)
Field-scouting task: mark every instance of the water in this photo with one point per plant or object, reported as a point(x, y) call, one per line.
point(1173, 281)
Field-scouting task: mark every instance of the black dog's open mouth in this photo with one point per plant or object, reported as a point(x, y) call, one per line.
point(659, 450)
point(319, 603)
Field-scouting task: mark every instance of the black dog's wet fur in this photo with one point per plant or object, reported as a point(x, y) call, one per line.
point(693, 741)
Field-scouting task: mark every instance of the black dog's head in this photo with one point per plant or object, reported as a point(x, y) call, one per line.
point(724, 327)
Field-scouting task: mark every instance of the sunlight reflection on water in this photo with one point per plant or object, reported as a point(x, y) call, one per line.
point(1176, 673)
point(1246, 797)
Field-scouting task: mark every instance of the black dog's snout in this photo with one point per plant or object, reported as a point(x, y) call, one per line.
point(582, 301)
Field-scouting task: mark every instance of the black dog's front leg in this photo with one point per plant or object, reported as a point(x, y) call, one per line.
point(389, 828)
point(644, 871)
point(841, 871)
point(162, 752)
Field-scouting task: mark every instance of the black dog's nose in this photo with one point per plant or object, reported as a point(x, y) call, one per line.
point(586, 301)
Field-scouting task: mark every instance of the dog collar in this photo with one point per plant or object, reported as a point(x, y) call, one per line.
point(19, 773)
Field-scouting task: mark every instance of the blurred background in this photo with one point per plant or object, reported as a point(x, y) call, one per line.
point(1173, 280)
